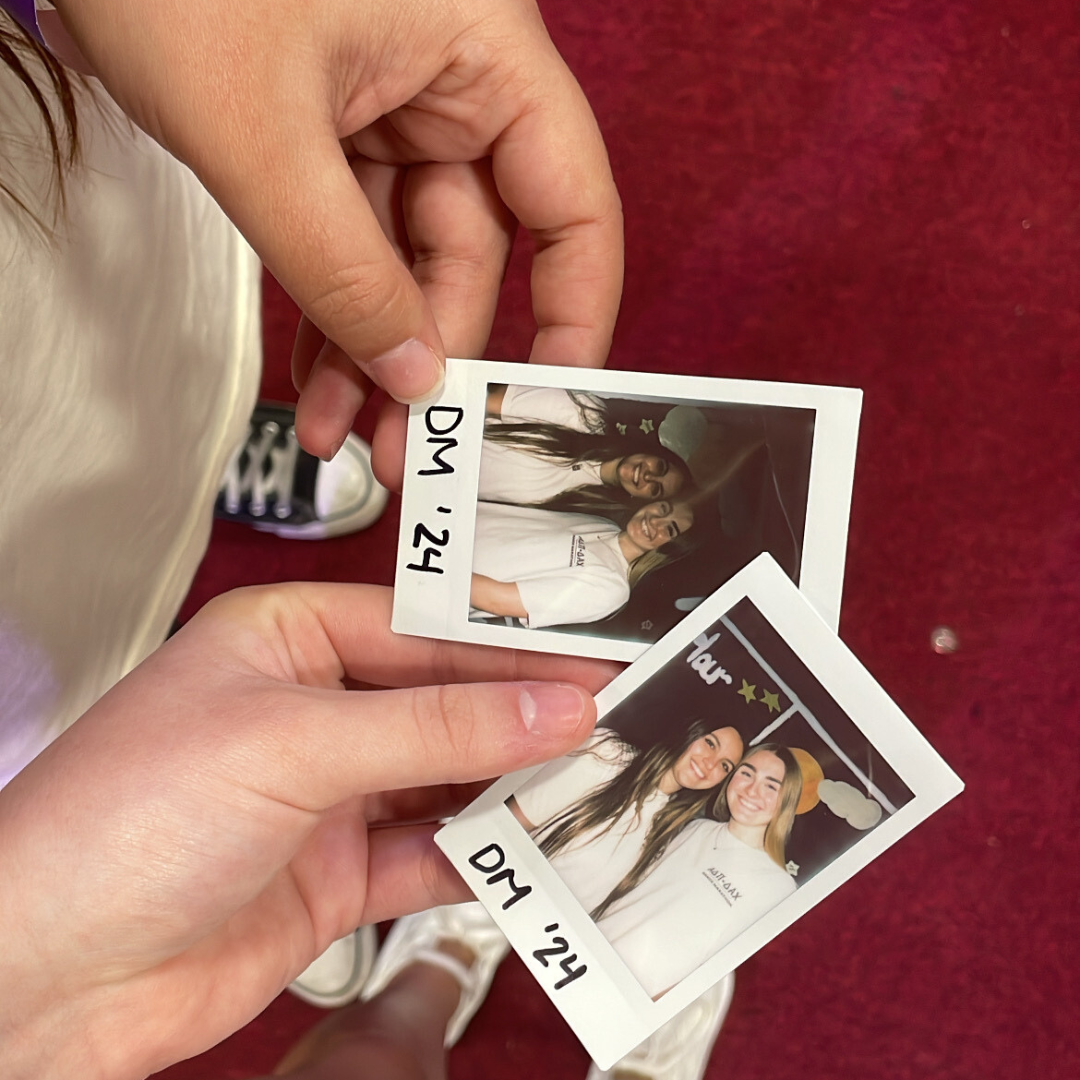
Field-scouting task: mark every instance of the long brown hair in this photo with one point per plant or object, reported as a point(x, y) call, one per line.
point(569, 447)
point(22, 55)
point(640, 779)
point(778, 831)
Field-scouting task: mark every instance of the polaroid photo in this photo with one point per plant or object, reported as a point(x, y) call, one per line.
point(740, 771)
point(586, 512)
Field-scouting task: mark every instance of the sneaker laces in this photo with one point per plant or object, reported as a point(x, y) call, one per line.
point(269, 472)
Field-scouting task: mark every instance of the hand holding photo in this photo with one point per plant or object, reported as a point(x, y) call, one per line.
point(586, 512)
point(741, 770)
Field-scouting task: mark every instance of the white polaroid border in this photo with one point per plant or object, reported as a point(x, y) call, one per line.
point(606, 1007)
point(438, 511)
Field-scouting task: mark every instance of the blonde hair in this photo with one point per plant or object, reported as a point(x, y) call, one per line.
point(644, 565)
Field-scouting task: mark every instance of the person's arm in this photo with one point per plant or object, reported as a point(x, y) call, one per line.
point(189, 846)
point(378, 155)
point(575, 597)
point(494, 404)
point(563, 783)
point(519, 815)
point(547, 405)
point(496, 597)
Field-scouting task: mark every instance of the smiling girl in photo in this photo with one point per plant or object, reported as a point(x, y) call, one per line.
point(690, 894)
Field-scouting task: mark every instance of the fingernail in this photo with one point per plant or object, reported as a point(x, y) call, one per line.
point(334, 448)
point(551, 708)
point(410, 372)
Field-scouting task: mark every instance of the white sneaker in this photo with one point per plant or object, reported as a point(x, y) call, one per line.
point(415, 938)
point(680, 1049)
point(337, 977)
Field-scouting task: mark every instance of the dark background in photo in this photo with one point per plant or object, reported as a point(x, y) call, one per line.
point(760, 506)
point(678, 694)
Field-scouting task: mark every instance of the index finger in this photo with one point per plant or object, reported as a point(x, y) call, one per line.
point(356, 619)
point(552, 170)
point(414, 806)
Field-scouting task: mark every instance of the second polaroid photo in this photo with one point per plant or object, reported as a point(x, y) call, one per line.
point(587, 512)
point(741, 771)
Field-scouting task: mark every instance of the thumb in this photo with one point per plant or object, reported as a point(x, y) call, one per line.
point(307, 217)
point(246, 97)
point(359, 742)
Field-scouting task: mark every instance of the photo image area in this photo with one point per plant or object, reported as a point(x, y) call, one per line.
point(613, 516)
point(663, 826)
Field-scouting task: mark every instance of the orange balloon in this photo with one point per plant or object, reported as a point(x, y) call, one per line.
point(811, 777)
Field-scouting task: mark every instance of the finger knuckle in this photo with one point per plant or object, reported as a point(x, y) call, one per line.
point(453, 715)
point(359, 294)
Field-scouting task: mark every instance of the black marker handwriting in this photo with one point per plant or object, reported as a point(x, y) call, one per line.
point(439, 428)
point(491, 860)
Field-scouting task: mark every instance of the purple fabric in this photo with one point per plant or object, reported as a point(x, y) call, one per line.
point(25, 14)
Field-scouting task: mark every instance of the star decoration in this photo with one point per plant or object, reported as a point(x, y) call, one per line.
point(747, 691)
point(646, 425)
point(621, 428)
point(792, 868)
point(770, 700)
point(646, 624)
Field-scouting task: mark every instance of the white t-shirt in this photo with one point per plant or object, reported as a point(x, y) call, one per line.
point(706, 889)
point(568, 567)
point(508, 475)
point(551, 405)
point(594, 863)
point(130, 350)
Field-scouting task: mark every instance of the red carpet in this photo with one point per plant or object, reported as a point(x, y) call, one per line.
point(883, 195)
